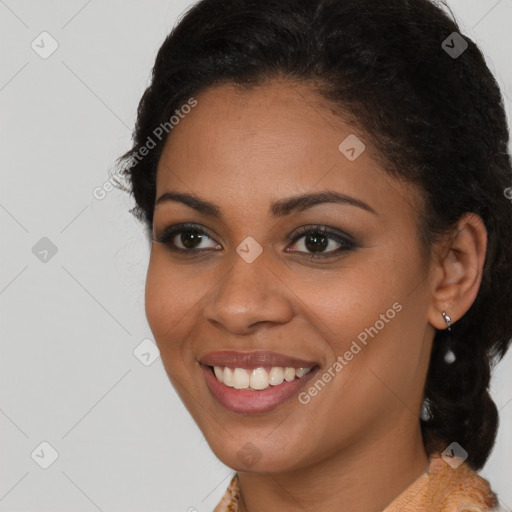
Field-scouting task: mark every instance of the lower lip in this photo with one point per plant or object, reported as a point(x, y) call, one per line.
point(253, 402)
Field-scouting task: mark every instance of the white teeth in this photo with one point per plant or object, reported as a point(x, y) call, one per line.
point(259, 378)
point(240, 379)
point(227, 377)
point(301, 372)
point(219, 373)
point(289, 374)
point(276, 376)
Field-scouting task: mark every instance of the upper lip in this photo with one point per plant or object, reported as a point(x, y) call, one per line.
point(255, 359)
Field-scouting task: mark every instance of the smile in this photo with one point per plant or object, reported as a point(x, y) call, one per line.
point(259, 378)
point(255, 382)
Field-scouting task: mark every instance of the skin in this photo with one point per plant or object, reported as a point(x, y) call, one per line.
point(243, 150)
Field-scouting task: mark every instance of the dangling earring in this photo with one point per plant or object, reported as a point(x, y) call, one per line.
point(425, 414)
point(447, 319)
point(449, 356)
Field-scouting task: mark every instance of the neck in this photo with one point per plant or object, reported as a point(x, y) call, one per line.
point(367, 476)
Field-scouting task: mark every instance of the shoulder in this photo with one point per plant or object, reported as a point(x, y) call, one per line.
point(443, 488)
point(229, 502)
point(458, 488)
point(447, 488)
point(465, 489)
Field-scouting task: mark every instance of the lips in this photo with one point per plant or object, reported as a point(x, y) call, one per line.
point(252, 360)
point(250, 401)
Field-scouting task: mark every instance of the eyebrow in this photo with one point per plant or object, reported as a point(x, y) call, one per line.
point(280, 208)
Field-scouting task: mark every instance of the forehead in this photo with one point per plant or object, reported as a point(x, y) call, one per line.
point(239, 147)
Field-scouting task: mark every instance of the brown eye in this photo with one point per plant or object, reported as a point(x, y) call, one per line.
point(316, 242)
point(183, 237)
point(318, 239)
point(190, 239)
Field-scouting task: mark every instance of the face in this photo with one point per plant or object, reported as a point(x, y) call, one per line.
point(258, 284)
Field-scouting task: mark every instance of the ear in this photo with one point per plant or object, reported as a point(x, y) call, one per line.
point(458, 272)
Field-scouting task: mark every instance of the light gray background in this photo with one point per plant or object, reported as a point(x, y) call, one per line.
point(70, 325)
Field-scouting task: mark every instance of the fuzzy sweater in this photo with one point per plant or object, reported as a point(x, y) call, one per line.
point(440, 489)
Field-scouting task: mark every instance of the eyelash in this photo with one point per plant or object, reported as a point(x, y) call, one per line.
point(347, 244)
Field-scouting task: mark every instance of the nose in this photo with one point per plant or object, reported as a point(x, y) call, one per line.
point(247, 295)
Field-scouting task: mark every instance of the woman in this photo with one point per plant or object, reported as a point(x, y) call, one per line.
point(330, 277)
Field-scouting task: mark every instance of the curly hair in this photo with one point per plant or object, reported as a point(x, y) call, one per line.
point(436, 119)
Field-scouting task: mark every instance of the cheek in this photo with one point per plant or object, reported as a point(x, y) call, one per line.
point(342, 304)
point(370, 320)
point(157, 300)
point(166, 303)
point(163, 312)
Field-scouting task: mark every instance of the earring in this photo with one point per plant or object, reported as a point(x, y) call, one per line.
point(425, 413)
point(449, 356)
point(448, 320)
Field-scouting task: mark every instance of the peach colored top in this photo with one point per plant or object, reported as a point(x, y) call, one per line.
point(440, 489)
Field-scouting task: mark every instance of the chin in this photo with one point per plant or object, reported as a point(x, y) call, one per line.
point(258, 455)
